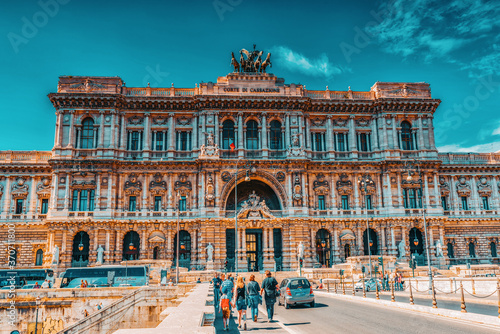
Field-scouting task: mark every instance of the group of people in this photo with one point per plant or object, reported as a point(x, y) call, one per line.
point(45, 285)
point(242, 296)
point(397, 278)
point(84, 284)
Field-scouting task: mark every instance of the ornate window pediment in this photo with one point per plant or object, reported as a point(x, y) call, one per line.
point(83, 184)
point(43, 188)
point(157, 187)
point(320, 185)
point(133, 186)
point(413, 183)
point(183, 185)
point(344, 185)
point(483, 187)
point(444, 187)
point(371, 189)
point(20, 189)
point(463, 187)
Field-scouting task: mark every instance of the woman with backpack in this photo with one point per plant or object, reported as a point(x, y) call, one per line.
point(253, 297)
point(269, 286)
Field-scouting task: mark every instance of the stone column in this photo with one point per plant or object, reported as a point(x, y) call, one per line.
point(374, 138)
point(385, 144)
point(313, 248)
point(265, 249)
point(171, 130)
point(118, 245)
point(144, 241)
point(400, 195)
point(384, 245)
point(432, 142)
point(352, 134)
point(71, 128)
point(194, 249)
point(145, 193)
point(265, 148)
point(107, 250)
point(432, 247)
point(394, 134)
point(7, 197)
point(359, 241)
point(356, 193)
point(336, 251)
point(436, 190)
point(421, 144)
point(195, 133)
point(426, 191)
point(403, 238)
point(475, 196)
point(329, 136)
point(57, 138)
point(306, 136)
point(100, 144)
point(216, 128)
point(240, 135)
point(393, 242)
point(287, 130)
point(54, 192)
point(332, 194)
point(32, 203)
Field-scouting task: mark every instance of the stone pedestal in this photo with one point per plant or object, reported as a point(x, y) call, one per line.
point(210, 265)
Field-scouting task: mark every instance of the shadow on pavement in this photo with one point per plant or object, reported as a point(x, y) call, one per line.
point(318, 305)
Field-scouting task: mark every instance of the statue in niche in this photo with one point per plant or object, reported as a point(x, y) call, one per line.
point(402, 249)
point(439, 249)
point(100, 255)
point(55, 255)
point(210, 252)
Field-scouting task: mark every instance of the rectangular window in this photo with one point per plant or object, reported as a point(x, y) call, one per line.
point(184, 141)
point(341, 143)
point(321, 202)
point(364, 142)
point(74, 202)
point(91, 199)
point(157, 203)
point(369, 202)
point(318, 141)
point(158, 146)
point(182, 203)
point(131, 203)
point(444, 203)
point(135, 141)
point(83, 200)
point(486, 205)
point(45, 206)
point(465, 205)
point(345, 202)
point(19, 206)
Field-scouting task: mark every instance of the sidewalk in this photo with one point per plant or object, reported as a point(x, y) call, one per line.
point(261, 326)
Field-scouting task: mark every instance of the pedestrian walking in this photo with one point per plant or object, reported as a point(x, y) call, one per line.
point(241, 302)
point(216, 281)
point(269, 288)
point(253, 297)
point(225, 308)
point(227, 287)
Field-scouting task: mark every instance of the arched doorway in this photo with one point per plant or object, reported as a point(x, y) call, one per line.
point(81, 243)
point(39, 258)
point(156, 253)
point(372, 242)
point(246, 188)
point(184, 249)
point(323, 241)
point(416, 241)
point(131, 244)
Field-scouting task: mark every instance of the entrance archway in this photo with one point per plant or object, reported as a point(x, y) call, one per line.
point(184, 249)
point(323, 241)
point(416, 241)
point(372, 242)
point(81, 243)
point(245, 189)
point(131, 244)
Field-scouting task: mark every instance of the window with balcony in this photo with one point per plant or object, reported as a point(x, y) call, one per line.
point(228, 134)
point(134, 142)
point(19, 206)
point(132, 204)
point(465, 204)
point(157, 203)
point(182, 203)
point(321, 202)
point(45, 206)
point(364, 142)
point(183, 141)
point(342, 142)
point(252, 135)
point(318, 141)
point(83, 200)
point(412, 198)
point(275, 136)
point(444, 203)
point(87, 134)
point(406, 136)
point(486, 204)
point(345, 202)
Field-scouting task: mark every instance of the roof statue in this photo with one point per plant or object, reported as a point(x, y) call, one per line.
point(251, 61)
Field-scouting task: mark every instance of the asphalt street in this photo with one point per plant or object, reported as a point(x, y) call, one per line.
point(335, 315)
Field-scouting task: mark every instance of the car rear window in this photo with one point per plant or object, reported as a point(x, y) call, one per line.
point(300, 284)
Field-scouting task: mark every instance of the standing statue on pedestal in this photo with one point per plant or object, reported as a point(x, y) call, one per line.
point(55, 255)
point(439, 249)
point(100, 255)
point(402, 249)
point(210, 252)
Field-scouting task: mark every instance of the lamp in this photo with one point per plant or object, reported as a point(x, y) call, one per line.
point(370, 242)
point(80, 245)
point(323, 243)
point(247, 177)
point(409, 177)
point(131, 246)
point(37, 301)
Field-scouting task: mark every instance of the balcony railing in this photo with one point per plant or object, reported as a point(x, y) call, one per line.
point(277, 154)
point(319, 155)
point(133, 155)
point(183, 155)
point(343, 155)
point(25, 156)
point(365, 155)
point(469, 158)
point(409, 154)
point(228, 154)
point(253, 154)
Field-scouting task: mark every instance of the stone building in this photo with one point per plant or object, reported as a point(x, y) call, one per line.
point(317, 167)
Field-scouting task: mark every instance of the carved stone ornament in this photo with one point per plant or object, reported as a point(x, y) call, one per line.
point(43, 188)
point(157, 187)
point(1, 191)
point(135, 120)
point(83, 184)
point(404, 92)
point(297, 191)
point(226, 176)
point(159, 120)
point(250, 61)
point(280, 176)
point(463, 187)
point(344, 185)
point(88, 86)
point(318, 121)
point(340, 122)
point(362, 122)
point(210, 191)
point(295, 150)
point(254, 208)
point(370, 185)
point(183, 120)
point(320, 185)
point(133, 186)
point(413, 183)
point(210, 150)
point(483, 187)
point(444, 187)
point(183, 185)
point(19, 188)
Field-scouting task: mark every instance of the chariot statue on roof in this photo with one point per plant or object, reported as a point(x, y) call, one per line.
point(253, 62)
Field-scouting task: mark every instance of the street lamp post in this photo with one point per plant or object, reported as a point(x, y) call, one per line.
point(323, 244)
point(37, 301)
point(177, 242)
point(413, 165)
point(247, 178)
point(364, 182)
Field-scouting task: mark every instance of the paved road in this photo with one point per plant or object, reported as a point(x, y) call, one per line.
point(334, 315)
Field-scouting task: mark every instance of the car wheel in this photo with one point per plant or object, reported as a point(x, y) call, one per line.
point(279, 301)
point(312, 303)
point(287, 306)
point(367, 289)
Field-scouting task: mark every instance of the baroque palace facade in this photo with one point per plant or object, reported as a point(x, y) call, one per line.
point(316, 167)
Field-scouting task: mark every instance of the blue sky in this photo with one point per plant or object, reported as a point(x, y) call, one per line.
point(453, 45)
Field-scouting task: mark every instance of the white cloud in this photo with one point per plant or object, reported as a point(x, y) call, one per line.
point(481, 148)
point(297, 62)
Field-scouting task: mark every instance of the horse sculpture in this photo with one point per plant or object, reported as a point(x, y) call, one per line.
point(235, 63)
point(266, 63)
point(242, 62)
point(256, 64)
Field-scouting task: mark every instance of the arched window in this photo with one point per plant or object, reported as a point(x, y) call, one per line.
point(493, 248)
point(39, 258)
point(372, 242)
point(131, 244)
point(87, 139)
point(81, 248)
point(252, 135)
point(406, 139)
point(275, 136)
point(323, 247)
point(228, 134)
point(184, 249)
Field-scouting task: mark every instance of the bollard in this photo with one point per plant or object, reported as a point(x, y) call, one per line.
point(377, 296)
point(462, 305)
point(353, 290)
point(364, 289)
point(451, 284)
point(343, 286)
point(434, 302)
point(392, 292)
point(328, 286)
point(473, 287)
point(335, 287)
point(411, 294)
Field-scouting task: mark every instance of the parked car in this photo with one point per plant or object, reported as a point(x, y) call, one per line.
point(294, 291)
point(369, 284)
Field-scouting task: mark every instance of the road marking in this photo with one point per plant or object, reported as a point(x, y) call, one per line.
point(279, 322)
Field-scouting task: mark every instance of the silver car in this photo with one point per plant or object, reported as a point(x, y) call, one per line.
point(369, 285)
point(296, 290)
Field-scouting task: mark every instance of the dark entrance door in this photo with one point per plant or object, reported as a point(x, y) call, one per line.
point(254, 249)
